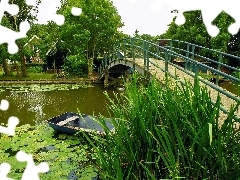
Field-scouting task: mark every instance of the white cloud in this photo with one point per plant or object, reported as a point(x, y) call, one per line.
point(137, 14)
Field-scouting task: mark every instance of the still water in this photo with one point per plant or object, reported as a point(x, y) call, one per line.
point(231, 87)
point(32, 107)
point(35, 106)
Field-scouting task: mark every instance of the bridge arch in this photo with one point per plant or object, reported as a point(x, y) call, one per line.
point(118, 68)
point(151, 58)
point(126, 63)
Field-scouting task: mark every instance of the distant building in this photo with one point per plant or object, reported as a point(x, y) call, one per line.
point(55, 57)
point(33, 45)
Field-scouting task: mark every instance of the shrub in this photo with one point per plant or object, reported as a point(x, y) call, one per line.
point(75, 65)
point(35, 69)
point(236, 74)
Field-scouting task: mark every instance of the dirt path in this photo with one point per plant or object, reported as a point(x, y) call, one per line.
point(226, 101)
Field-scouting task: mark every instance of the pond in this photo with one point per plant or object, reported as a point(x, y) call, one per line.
point(231, 87)
point(34, 103)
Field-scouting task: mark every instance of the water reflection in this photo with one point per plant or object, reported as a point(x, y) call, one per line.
point(231, 87)
point(34, 107)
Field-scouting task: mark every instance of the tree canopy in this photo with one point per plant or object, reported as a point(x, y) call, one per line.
point(86, 36)
point(194, 31)
point(96, 29)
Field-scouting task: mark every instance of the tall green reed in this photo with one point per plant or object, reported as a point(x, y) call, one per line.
point(164, 133)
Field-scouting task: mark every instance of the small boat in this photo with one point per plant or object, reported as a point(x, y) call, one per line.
point(71, 123)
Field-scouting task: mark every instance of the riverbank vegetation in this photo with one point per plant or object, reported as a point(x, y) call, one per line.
point(31, 76)
point(171, 132)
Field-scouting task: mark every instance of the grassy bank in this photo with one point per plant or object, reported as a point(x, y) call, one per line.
point(41, 76)
point(168, 133)
point(31, 76)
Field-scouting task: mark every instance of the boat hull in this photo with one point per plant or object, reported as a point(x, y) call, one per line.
point(71, 123)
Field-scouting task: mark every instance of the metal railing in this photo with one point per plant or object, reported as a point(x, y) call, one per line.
point(194, 57)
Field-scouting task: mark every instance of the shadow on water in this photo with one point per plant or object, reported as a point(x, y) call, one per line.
point(35, 106)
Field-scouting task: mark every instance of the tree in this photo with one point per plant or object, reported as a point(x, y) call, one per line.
point(93, 32)
point(26, 13)
point(233, 48)
point(194, 31)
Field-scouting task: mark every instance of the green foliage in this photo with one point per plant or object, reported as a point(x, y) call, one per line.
point(13, 23)
point(194, 31)
point(41, 88)
point(33, 140)
point(171, 132)
point(236, 74)
point(31, 76)
point(91, 33)
point(35, 69)
point(75, 65)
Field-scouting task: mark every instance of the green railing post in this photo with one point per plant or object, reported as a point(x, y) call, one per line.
point(158, 49)
point(196, 75)
point(124, 48)
point(133, 52)
point(144, 54)
point(166, 64)
point(147, 57)
point(219, 66)
point(169, 55)
point(187, 55)
point(114, 52)
point(192, 57)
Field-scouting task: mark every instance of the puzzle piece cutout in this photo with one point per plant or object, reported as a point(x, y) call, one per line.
point(31, 171)
point(76, 11)
point(7, 35)
point(12, 9)
point(47, 11)
point(208, 12)
point(4, 105)
point(4, 170)
point(12, 121)
point(133, 1)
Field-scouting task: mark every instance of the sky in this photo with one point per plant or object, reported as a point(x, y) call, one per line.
point(138, 14)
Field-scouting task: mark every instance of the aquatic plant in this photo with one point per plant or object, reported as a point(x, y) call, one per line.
point(42, 87)
point(66, 155)
point(168, 132)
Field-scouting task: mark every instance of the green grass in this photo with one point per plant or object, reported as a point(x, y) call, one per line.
point(31, 76)
point(171, 132)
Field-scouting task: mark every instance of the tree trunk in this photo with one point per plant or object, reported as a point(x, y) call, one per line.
point(18, 70)
point(7, 72)
point(54, 66)
point(90, 61)
point(90, 65)
point(23, 68)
